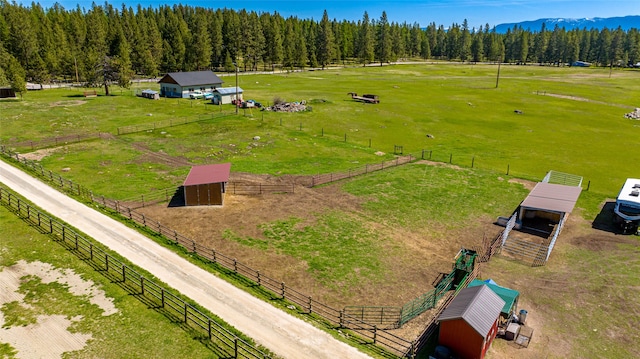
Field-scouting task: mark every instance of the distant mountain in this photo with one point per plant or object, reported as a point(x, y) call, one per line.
point(626, 23)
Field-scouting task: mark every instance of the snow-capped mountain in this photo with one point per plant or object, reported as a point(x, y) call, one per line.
point(625, 22)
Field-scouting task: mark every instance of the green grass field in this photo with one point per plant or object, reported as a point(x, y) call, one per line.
point(458, 105)
point(133, 331)
point(571, 121)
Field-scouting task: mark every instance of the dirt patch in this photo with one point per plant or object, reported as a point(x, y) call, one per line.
point(149, 156)
point(67, 103)
point(50, 336)
point(582, 99)
point(441, 164)
point(601, 242)
point(526, 184)
point(39, 154)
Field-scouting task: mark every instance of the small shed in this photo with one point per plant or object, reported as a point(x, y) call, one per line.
point(181, 84)
point(470, 322)
point(226, 95)
point(150, 94)
point(205, 185)
point(7, 92)
point(509, 296)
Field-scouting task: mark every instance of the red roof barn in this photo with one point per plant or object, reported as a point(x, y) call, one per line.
point(205, 185)
point(470, 322)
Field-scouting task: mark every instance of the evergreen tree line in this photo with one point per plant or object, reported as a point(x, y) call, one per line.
point(104, 44)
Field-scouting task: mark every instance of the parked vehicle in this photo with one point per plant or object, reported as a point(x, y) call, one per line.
point(627, 209)
point(196, 94)
point(208, 95)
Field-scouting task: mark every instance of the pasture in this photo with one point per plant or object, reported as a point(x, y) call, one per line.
point(382, 238)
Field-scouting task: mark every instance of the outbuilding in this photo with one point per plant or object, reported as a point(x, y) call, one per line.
point(226, 95)
point(7, 92)
point(206, 185)
point(150, 94)
point(470, 322)
point(181, 84)
point(509, 296)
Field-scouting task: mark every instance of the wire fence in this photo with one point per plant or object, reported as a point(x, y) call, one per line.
point(150, 126)
point(227, 342)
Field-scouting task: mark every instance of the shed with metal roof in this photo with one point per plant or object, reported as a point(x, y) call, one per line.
point(181, 84)
point(470, 322)
point(509, 296)
point(206, 185)
point(226, 95)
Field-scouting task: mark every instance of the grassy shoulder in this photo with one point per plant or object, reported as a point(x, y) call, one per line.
point(133, 329)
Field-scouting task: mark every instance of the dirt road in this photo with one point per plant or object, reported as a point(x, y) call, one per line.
point(285, 335)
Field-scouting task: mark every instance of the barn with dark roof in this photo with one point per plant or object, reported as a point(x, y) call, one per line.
point(181, 84)
point(470, 322)
point(206, 185)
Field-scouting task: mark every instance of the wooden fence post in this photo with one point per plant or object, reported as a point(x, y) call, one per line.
point(282, 289)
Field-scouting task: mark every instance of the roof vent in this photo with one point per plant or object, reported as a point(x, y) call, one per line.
point(637, 185)
point(635, 193)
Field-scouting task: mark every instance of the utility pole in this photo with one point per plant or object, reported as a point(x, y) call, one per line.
point(237, 99)
point(498, 77)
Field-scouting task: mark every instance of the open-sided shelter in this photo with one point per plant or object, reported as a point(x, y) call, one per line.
point(181, 84)
point(549, 200)
point(205, 185)
point(470, 322)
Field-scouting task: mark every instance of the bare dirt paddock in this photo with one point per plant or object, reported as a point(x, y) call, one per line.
point(422, 255)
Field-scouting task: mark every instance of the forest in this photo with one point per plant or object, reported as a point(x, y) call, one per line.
point(105, 44)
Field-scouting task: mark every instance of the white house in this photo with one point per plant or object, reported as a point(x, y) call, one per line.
point(181, 84)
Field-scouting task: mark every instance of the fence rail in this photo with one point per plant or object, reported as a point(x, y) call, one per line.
point(173, 306)
point(337, 176)
point(149, 126)
point(390, 342)
point(57, 141)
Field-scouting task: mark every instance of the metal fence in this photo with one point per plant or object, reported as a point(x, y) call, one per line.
point(357, 171)
point(224, 340)
point(366, 334)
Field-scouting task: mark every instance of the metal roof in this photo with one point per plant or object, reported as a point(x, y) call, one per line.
point(192, 78)
point(478, 306)
point(227, 90)
point(508, 295)
point(629, 191)
point(208, 174)
point(552, 197)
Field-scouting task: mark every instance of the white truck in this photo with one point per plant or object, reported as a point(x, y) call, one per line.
point(627, 209)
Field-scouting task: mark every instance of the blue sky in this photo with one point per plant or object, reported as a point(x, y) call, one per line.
point(442, 12)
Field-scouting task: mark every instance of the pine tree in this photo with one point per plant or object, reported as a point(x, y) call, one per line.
point(365, 48)
point(325, 41)
point(383, 43)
